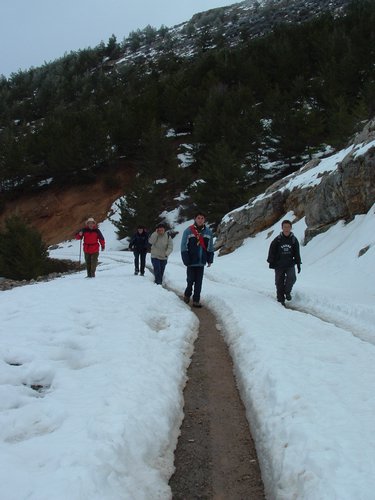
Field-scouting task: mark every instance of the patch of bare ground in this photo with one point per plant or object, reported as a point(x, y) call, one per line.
point(215, 456)
point(58, 212)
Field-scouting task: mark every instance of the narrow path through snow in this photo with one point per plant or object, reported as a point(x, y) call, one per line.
point(333, 319)
point(215, 456)
point(335, 322)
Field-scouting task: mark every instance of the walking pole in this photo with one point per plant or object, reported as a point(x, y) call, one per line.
point(80, 250)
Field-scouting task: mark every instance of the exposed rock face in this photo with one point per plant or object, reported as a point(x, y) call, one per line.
point(340, 194)
point(346, 192)
point(249, 220)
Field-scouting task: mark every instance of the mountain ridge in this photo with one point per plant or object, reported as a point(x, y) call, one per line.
point(241, 21)
point(75, 131)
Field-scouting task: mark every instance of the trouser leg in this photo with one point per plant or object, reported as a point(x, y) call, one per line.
point(163, 263)
point(143, 261)
point(190, 281)
point(280, 284)
point(94, 263)
point(198, 278)
point(88, 264)
point(290, 279)
point(136, 261)
point(157, 270)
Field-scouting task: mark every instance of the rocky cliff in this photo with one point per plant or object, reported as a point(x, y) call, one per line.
point(323, 191)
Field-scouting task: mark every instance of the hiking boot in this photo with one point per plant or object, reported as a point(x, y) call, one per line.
point(186, 299)
point(288, 296)
point(142, 274)
point(136, 273)
point(281, 300)
point(197, 304)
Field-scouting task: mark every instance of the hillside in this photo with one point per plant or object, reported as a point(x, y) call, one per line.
point(252, 109)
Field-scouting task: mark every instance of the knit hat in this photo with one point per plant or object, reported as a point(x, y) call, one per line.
point(91, 219)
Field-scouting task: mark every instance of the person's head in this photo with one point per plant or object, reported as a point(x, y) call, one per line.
point(140, 229)
point(90, 222)
point(200, 219)
point(286, 227)
point(160, 228)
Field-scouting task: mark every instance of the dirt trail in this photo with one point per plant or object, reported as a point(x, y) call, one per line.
point(215, 456)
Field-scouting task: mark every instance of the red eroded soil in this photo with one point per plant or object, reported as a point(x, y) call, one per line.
point(58, 212)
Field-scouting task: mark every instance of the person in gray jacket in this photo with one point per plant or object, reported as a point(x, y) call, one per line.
point(161, 247)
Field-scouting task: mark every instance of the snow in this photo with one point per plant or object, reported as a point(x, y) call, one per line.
point(112, 360)
point(186, 157)
point(363, 148)
point(107, 359)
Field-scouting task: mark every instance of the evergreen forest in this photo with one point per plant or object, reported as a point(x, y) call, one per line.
point(261, 107)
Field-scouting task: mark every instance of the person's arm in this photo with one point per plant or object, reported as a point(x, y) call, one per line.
point(131, 242)
point(169, 246)
point(101, 239)
point(152, 238)
point(79, 234)
point(210, 248)
point(146, 244)
point(297, 255)
point(184, 248)
point(272, 254)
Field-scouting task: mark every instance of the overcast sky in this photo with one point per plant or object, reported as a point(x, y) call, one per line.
point(36, 31)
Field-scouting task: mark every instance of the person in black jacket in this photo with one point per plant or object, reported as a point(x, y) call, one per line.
point(283, 256)
point(139, 245)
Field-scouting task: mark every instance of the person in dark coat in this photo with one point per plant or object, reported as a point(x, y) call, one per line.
point(283, 256)
point(197, 250)
point(139, 244)
point(92, 240)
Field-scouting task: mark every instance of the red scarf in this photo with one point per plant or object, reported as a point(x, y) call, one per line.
point(200, 240)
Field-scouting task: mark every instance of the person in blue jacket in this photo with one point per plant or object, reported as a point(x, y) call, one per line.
point(139, 245)
point(197, 250)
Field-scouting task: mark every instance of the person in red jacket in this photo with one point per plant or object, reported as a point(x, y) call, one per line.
point(92, 240)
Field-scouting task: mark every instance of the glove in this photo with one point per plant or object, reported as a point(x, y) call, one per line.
point(299, 268)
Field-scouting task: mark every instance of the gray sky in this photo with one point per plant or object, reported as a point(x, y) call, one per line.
point(36, 31)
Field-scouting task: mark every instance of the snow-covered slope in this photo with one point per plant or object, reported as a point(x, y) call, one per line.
point(92, 371)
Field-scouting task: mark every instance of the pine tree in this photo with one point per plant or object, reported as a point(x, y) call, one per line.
point(23, 254)
point(140, 206)
point(223, 184)
point(156, 155)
